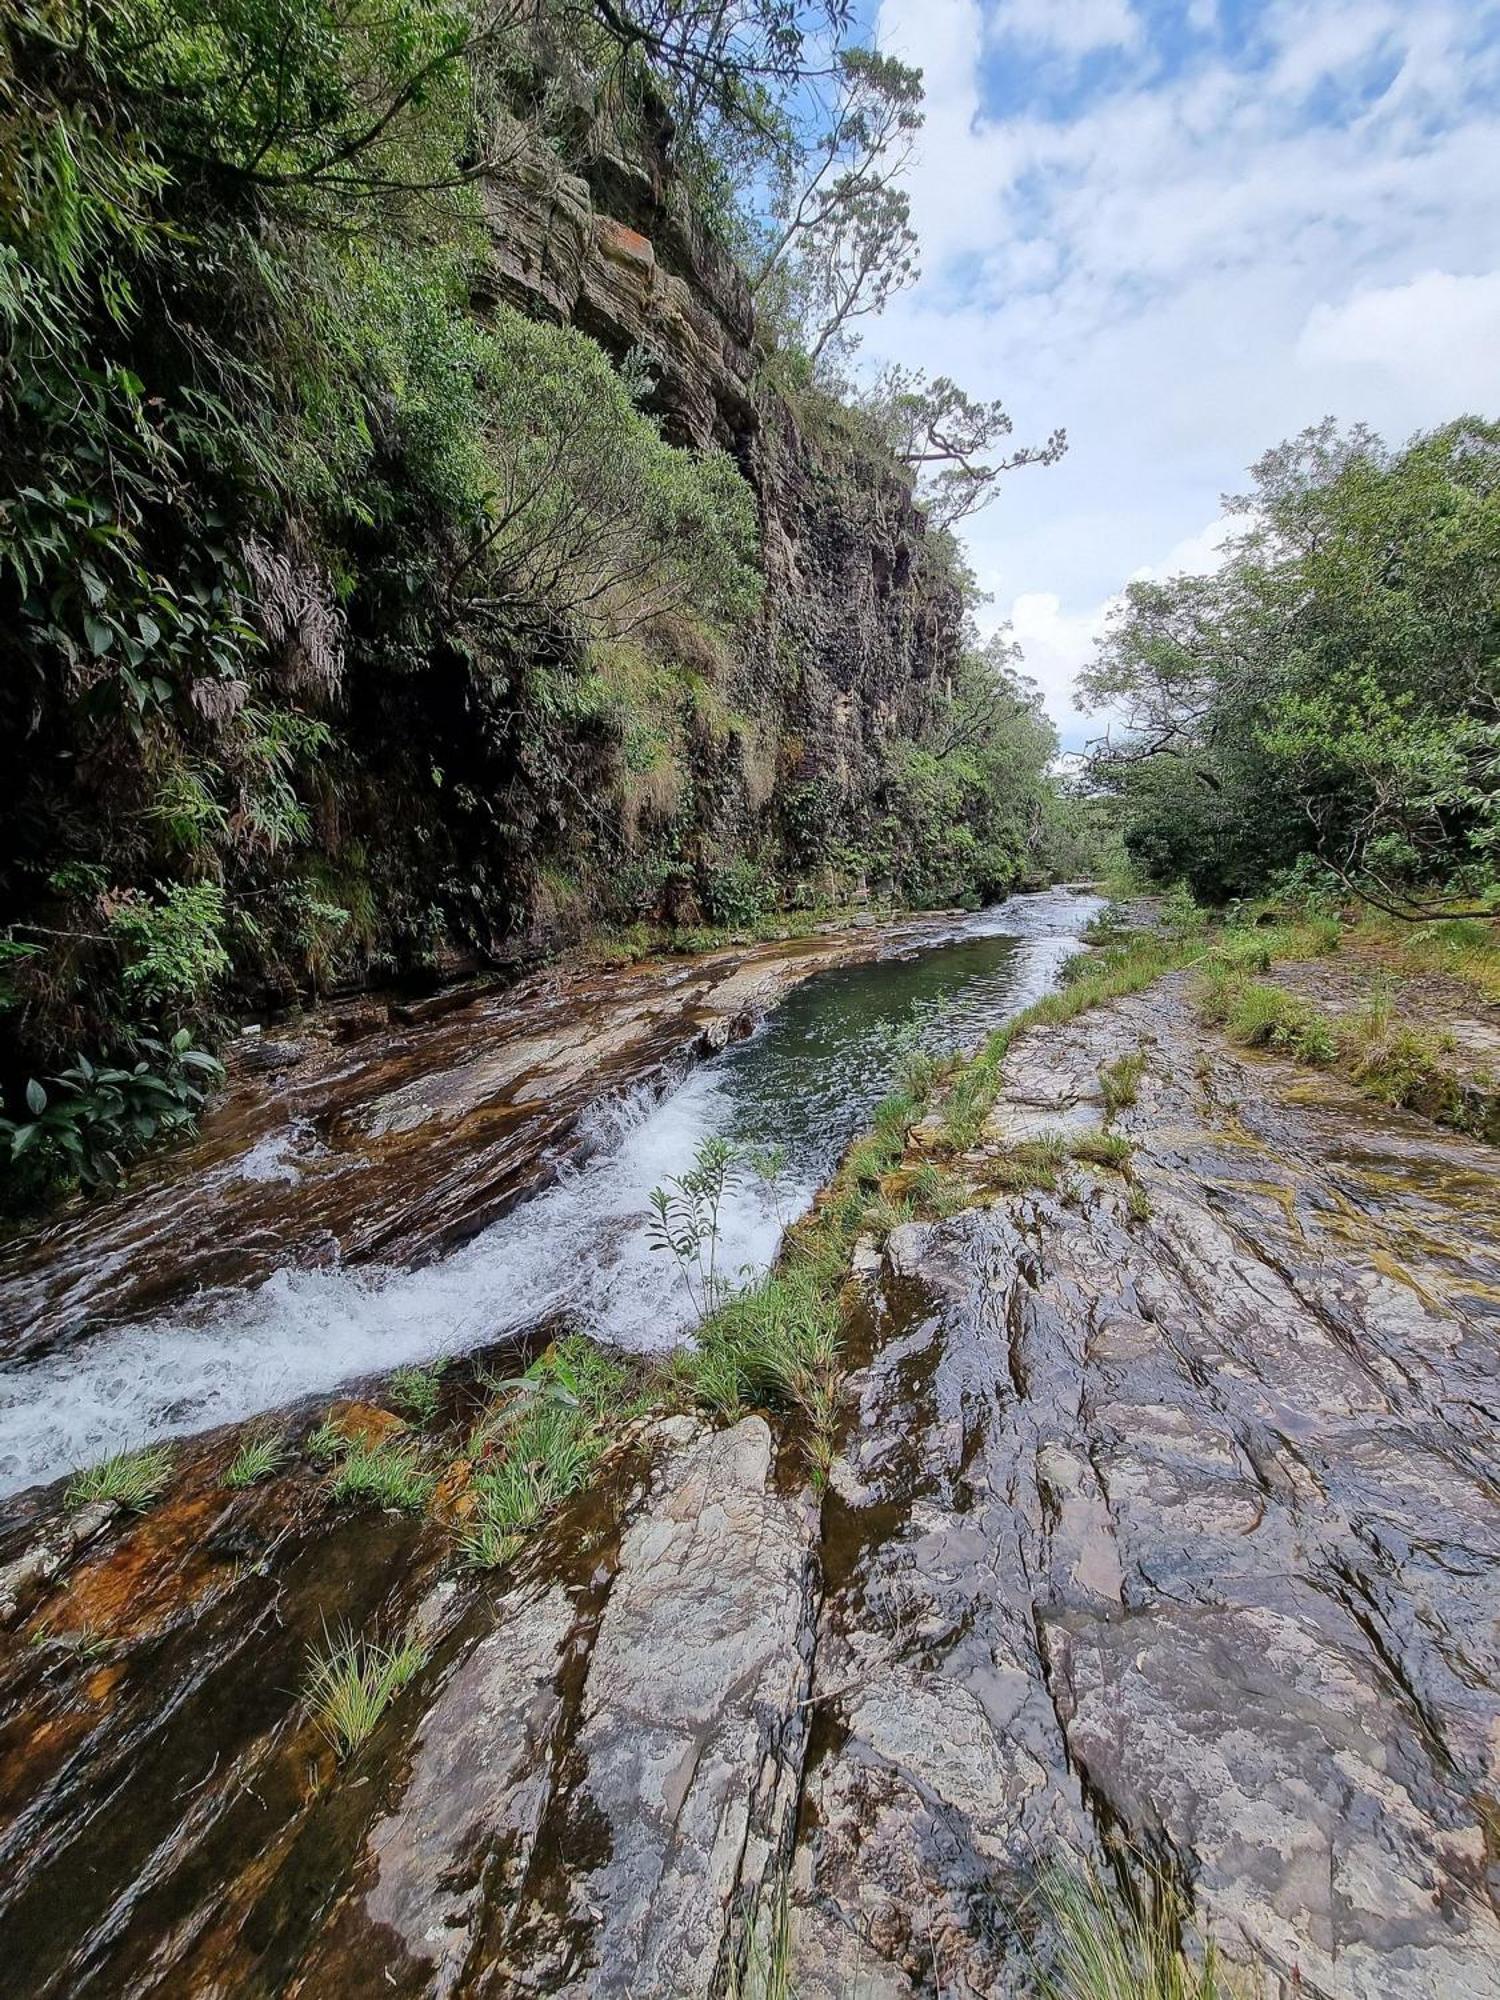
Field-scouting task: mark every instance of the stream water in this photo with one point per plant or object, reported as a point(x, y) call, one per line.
point(805, 1081)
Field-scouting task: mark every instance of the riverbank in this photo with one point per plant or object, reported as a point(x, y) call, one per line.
point(1158, 1518)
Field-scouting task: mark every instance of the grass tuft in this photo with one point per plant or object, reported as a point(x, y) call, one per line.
point(351, 1682)
point(393, 1473)
point(135, 1480)
point(1102, 1950)
point(775, 1346)
point(1120, 1081)
point(257, 1458)
point(1100, 1149)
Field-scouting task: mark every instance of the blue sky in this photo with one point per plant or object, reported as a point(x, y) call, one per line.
point(1185, 231)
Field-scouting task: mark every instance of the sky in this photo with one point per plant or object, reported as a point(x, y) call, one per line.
point(1186, 231)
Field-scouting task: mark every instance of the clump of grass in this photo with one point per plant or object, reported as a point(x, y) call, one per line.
point(84, 1642)
point(886, 1213)
point(1464, 948)
point(1030, 1164)
point(1120, 1081)
point(351, 1682)
point(1102, 1950)
point(1137, 1203)
point(327, 1442)
point(1100, 1149)
point(935, 1192)
point(761, 1967)
point(775, 1345)
point(536, 1445)
point(257, 1458)
point(1396, 1062)
point(1257, 1015)
point(392, 1473)
point(415, 1391)
point(134, 1480)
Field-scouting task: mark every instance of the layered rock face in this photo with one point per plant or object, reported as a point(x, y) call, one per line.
point(860, 623)
point(1178, 1530)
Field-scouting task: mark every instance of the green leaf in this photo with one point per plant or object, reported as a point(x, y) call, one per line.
point(36, 1098)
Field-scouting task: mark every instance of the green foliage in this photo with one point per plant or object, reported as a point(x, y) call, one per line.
point(88, 1122)
point(536, 1444)
point(685, 1221)
point(255, 440)
point(739, 893)
point(1120, 1081)
point(415, 1392)
point(960, 811)
point(1330, 691)
point(135, 1480)
point(392, 1472)
point(1100, 1948)
point(257, 1458)
point(174, 949)
point(351, 1682)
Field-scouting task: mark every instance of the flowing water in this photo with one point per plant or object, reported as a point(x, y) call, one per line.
point(806, 1081)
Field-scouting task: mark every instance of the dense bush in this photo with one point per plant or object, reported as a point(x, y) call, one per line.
point(300, 560)
point(1333, 691)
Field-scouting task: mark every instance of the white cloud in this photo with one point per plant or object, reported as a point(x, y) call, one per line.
point(1439, 332)
point(1057, 644)
point(1216, 243)
point(1074, 28)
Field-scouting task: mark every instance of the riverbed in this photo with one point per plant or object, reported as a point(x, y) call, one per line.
point(268, 1249)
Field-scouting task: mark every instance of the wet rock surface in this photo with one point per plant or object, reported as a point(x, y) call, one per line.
point(1166, 1522)
point(401, 1144)
point(598, 1765)
point(1182, 1529)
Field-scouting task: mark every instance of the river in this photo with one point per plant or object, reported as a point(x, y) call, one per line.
point(577, 1250)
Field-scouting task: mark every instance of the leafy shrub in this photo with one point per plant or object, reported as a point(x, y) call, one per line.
point(174, 946)
point(88, 1123)
point(739, 892)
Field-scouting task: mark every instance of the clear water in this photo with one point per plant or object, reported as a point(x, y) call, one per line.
point(806, 1081)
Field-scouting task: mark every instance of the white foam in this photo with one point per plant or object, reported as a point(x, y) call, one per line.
point(580, 1246)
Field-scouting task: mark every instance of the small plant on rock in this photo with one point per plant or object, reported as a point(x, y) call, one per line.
point(351, 1682)
point(686, 1221)
point(1101, 1949)
point(1120, 1081)
point(415, 1391)
point(392, 1473)
point(134, 1480)
point(257, 1458)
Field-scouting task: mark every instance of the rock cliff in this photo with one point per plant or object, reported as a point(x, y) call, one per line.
point(861, 615)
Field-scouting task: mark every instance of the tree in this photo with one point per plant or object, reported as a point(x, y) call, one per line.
point(948, 438)
point(841, 241)
point(1334, 689)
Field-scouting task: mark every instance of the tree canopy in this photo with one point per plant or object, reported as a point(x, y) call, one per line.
point(1333, 689)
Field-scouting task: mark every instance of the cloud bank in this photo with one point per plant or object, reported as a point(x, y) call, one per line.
point(1185, 232)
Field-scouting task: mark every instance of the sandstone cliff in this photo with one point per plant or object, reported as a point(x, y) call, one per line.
point(861, 617)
